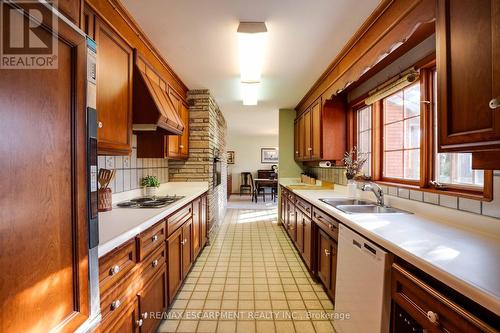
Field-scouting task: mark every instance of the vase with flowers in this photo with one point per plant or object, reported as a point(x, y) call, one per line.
point(354, 162)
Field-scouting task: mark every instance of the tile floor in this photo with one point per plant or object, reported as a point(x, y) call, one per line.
point(250, 279)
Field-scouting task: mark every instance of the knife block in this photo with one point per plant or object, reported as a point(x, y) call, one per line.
point(105, 201)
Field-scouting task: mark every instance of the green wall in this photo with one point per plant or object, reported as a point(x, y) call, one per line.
point(287, 165)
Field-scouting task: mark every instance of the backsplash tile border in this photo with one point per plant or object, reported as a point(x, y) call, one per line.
point(337, 176)
point(130, 170)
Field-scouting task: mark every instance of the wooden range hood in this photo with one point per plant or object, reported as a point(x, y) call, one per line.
point(153, 109)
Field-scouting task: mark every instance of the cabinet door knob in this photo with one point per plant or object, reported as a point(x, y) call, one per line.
point(139, 322)
point(330, 226)
point(183, 242)
point(113, 270)
point(144, 315)
point(495, 103)
point(327, 253)
point(154, 263)
point(309, 149)
point(99, 124)
point(154, 238)
point(181, 146)
point(297, 152)
point(433, 317)
point(115, 305)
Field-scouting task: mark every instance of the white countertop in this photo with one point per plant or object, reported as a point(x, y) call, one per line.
point(464, 257)
point(121, 224)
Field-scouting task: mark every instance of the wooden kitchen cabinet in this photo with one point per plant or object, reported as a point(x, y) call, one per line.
point(204, 220)
point(327, 262)
point(196, 235)
point(303, 236)
point(178, 145)
point(291, 221)
point(71, 9)
point(174, 263)
point(321, 131)
point(187, 254)
point(153, 299)
point(127, 322)
point(428, 309)
point(114, 87)
point(468, 80)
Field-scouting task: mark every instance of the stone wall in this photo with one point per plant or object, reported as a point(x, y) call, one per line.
point(207, 134)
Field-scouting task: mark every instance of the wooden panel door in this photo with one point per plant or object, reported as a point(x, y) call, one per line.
point(306, 252)
point(316, 131)
point(184, 140)
point(174, 140)
point(292, 221)
point(307, 135)
point(204, 220)
point(196, 243)
point(302, 142)
point(333, 267)
point(71, 9)
point(43, 215)
point(468, 80)
point(114, 91)
point(299, 234)
point(127, 321)
point(324, 261)
point(153, 299)
point(174, 263)
point(187, 254)
point(296, 139)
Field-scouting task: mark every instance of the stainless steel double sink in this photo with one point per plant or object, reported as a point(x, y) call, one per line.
point(355, 206)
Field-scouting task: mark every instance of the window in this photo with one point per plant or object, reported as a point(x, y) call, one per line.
point(398, 132)
point(364, 136)
point(401, 119)
point(453, 168)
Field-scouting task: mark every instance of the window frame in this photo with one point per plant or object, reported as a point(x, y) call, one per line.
point(428, 145)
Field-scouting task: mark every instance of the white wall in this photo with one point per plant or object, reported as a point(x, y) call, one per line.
point(247, 154)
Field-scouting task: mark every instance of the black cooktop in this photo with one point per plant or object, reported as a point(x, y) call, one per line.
point(149, 202)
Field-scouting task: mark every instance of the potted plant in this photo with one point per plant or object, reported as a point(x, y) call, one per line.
point(354, 162)
point(151, 184)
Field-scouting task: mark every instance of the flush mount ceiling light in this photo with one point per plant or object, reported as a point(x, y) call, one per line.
point(252, 39)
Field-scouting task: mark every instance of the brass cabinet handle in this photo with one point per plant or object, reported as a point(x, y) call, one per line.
point(327, 253)
point(495, 103)
point(113, 270)
point(115, 305)
point(154, 238)
point(154, 263)
point(183, 242)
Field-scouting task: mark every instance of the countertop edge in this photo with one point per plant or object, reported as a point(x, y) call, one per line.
point(113, 243)
point(466, 288)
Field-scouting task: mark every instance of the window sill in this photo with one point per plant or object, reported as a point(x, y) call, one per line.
point(467, 194)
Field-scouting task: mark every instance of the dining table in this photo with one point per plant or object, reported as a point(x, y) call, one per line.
point(263, 183)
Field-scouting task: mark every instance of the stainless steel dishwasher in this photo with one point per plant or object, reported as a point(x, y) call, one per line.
point(362, 292)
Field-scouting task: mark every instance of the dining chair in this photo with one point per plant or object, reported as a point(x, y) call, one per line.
point(246, 183)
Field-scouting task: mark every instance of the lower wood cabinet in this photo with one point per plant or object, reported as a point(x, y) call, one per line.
point(427, 309)
point(327, 262)
point(153, 299)
point(141, 277)
point(174, 263)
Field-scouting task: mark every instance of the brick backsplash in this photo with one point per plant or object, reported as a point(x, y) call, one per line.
point(130, 170)
point(492, 208)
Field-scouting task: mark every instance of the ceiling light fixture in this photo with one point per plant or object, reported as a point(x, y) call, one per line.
point(252, 40)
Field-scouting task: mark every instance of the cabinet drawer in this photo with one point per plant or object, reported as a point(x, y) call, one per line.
point(116, 265)
point(178, 218)
point(149, 240)
point(432, 310)
point(116, 300)
point(152, 263)
point(304, 206)
point(327, 223)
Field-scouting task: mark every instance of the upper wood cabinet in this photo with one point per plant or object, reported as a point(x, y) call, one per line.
point(44, 260)
point(71, 9)
point(178, 145)
point(114, 87)
point(320, 131)
point(468, 75)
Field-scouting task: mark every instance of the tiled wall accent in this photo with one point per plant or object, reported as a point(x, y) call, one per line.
point(207, 132)
point(335, 175)
point(492, 208)
point(130, 169)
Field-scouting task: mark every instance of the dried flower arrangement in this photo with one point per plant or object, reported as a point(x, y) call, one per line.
point(354, 162)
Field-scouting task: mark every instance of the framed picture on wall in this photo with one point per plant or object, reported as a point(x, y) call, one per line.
point(230, 157)
point(269, 155)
